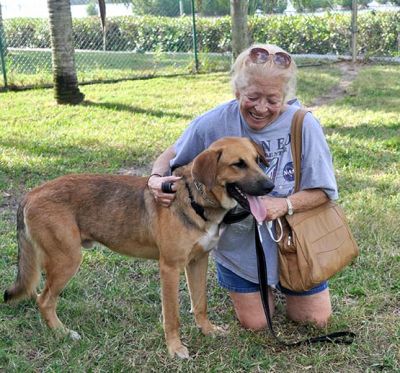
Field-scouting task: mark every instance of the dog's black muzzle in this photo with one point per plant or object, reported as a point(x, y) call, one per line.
point(258, 188)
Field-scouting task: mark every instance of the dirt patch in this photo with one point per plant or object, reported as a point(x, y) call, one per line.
point(144, 170)
point(349, 73)
point(8, 206)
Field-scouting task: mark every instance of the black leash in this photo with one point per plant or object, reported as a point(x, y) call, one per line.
point(344, 337)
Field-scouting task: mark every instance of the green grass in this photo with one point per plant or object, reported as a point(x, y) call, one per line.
point(114, 303)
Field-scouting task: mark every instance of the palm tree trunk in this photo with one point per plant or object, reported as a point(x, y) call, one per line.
point(239, 10)
point(64, 73)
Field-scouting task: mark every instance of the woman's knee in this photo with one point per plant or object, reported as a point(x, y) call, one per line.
point(315, 308)
point(249, 309)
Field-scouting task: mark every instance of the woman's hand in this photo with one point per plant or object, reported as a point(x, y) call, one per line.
point(155, 182)
point(301, 201)
point(276, 207)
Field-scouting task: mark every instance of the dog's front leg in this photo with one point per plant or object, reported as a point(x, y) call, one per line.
point(196, 277)
point(169, 275)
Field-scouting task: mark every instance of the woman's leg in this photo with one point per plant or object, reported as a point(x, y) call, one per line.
point(315, 308)
point(313, 305)
point(249, 309)
point(246, 298)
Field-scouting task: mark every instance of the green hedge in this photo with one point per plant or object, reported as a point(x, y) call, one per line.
point(329, 33)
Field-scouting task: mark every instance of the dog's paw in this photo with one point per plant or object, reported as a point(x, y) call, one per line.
point(219, 331)
point(66, 333)
point(213, 330)
point(179, 350)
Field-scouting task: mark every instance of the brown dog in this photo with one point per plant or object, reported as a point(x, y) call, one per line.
point(54, 220)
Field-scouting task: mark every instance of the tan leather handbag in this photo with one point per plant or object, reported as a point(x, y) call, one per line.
point(317, 243)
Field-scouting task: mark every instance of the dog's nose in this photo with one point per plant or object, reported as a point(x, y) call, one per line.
point(260, 187)
point(267, 186)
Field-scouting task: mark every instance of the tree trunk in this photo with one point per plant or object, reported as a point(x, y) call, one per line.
point(64, 73)
point(239, 9)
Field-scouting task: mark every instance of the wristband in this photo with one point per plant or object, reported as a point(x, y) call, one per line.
point(290, 206)
point(148, 179)
point(155, 175)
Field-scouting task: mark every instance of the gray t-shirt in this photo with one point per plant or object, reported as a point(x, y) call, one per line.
point(236, 248)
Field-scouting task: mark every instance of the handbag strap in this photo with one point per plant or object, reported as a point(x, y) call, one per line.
point(343, 337)
point(296, 133)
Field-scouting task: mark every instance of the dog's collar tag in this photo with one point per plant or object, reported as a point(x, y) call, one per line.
point(195, 206)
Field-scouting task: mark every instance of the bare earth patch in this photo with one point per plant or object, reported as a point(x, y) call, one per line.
point(349, 73)
point(9, 201)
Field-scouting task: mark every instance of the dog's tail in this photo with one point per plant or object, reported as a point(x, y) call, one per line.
point(28, 264)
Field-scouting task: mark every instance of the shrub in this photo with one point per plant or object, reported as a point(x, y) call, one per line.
point(328, 33)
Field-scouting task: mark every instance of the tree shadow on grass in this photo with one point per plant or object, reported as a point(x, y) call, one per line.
point(52, 160)
point(366, 131)
point(136, 109)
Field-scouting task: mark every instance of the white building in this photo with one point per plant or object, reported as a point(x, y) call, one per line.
point(290, 9)
point(38, 9)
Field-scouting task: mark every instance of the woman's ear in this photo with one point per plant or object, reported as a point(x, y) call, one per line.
point(237, 94)
point(260, 152)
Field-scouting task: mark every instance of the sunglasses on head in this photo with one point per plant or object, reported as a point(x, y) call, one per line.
point(261, 55)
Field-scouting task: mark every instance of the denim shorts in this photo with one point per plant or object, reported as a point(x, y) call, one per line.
point(232, 282)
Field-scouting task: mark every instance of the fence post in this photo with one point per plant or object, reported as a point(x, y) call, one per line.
point(2, 51)
point(354, 31)
point(196, 58)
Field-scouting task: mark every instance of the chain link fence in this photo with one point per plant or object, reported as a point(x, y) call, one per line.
point(130, 47)
point(159, 39)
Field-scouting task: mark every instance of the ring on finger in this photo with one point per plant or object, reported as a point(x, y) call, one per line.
point(166, 187)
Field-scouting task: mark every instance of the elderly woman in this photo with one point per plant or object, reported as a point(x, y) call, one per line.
point(263, 81)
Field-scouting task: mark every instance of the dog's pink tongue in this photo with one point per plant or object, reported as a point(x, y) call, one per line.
point(257, 208)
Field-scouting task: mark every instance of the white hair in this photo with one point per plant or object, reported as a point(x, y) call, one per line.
point(244, 73)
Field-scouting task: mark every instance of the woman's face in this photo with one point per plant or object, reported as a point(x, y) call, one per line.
point(261, 103)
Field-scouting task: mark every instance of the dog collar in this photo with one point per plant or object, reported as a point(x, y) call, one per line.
point(195, 206)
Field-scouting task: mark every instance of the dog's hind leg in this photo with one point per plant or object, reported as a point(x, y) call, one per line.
point(196, 277)
point(62, 258)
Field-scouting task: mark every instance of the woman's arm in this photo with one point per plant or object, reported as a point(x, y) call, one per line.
point(301, 201)
point(161, 164)
point(160, 168)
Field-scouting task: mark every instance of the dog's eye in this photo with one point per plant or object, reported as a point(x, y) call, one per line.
point(240, 164)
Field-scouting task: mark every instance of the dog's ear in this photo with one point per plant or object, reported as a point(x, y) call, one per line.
point(260, 152)
point(204, 167)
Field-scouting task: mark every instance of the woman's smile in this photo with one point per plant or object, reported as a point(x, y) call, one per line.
point(261, 104)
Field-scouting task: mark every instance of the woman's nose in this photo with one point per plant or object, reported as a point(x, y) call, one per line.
point(261, 107)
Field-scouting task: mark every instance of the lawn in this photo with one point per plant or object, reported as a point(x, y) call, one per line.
point(114, 302)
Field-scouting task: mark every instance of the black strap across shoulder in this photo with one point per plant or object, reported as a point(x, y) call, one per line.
point(233, 217)
point(342, 337)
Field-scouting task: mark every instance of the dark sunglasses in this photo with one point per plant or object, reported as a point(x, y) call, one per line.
point(261, 55)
